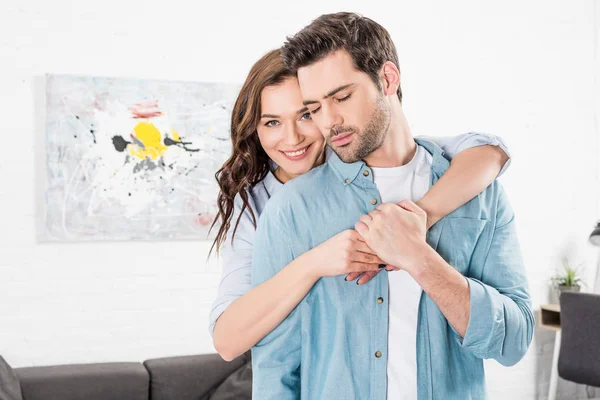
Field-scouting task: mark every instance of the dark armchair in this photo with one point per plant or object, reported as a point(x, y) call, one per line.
point(579, 359)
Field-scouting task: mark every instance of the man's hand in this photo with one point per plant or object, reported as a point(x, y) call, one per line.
point(396, 233)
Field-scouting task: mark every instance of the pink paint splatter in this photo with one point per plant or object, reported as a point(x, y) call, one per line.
point(100, 101)
point(205, 219)
point(146, 110)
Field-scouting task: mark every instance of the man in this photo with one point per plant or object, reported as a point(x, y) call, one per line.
point(460, 294)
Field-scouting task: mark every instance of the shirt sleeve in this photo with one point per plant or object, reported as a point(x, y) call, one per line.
point(276, 358)
point(452, 145)
point(501, 318)
point(237, 261)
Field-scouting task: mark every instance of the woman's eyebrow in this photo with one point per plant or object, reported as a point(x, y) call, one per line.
point(300, 111)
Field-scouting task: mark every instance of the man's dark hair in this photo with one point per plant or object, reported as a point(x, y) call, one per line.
point(368, 43)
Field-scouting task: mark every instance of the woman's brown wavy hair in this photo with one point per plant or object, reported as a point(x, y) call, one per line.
point(249, 163)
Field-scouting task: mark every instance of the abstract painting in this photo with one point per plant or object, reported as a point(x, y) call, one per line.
point(133, 159)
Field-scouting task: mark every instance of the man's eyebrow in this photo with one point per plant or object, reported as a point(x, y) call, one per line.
point(339, 89)
point(334, 91)
point(300, 111)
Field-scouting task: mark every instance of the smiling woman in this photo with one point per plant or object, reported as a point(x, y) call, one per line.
point(287, 133)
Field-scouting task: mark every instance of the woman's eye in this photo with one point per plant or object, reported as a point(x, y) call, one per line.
point(271, 123)
point(305, 116)
point(344, 98)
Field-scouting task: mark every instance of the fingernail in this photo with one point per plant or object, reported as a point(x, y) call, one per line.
point(346, 278)
point(358, 280)
point(381, 265)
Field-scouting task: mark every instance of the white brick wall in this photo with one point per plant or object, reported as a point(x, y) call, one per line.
point(523, 70)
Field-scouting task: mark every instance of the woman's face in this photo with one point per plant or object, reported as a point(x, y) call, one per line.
point(287, 132)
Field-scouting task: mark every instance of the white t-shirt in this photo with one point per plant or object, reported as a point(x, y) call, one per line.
point(408, 182)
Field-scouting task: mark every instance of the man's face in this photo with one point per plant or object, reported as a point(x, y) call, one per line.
point(348, 108)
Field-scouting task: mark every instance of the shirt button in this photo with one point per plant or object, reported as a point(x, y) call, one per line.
point(366, 172)
point(373, 201)
point(377, 354)
point(379, 300)
point(347, 181)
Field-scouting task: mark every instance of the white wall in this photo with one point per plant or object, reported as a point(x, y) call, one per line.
point(522, 70)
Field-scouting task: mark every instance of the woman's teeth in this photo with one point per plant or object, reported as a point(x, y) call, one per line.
point(296, 153)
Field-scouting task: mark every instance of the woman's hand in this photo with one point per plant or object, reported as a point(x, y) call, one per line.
point(344, 254)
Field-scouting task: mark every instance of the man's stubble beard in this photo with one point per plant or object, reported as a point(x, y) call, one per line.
point(370, 139)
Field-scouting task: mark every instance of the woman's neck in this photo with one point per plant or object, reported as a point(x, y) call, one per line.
point(281, 175)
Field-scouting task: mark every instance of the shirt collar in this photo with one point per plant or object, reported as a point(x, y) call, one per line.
point(271, 183)
point(439, 163)
point(347, 172)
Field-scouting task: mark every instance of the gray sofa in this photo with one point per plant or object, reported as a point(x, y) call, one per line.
point(198, 377)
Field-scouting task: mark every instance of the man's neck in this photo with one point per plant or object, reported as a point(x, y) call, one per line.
point(398, 147)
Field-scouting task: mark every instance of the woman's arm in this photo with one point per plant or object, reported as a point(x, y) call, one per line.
point(255, 313)
point(477, 159)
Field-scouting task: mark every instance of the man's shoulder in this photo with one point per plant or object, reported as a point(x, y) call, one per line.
point(297, 190)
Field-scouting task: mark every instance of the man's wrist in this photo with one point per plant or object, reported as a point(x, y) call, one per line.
point(428, 262)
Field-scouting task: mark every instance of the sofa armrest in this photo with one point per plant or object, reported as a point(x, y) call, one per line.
point(189, 377)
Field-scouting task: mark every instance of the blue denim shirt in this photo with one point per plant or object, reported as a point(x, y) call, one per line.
point(334, 344)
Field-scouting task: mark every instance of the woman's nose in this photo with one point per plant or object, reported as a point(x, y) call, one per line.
point(293, 136)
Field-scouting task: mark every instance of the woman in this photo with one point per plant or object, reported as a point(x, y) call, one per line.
point(267, 120)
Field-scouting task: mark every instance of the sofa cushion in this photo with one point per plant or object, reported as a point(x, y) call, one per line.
point(189, 377)
point(10, 388)
point(237, 386)
point(104, 381)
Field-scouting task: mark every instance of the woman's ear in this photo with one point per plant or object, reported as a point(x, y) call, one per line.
point(391, 78)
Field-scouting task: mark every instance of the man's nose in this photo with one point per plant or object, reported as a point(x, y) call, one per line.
point(331, 118)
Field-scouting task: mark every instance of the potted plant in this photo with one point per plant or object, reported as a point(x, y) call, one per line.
point(568, 280)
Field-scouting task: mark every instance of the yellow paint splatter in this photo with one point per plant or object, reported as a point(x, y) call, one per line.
point(176, 136)
point(150, 136)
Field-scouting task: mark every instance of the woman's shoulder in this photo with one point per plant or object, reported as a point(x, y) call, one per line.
point(258, 195)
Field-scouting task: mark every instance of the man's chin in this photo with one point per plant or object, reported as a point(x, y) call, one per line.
point(345, 155)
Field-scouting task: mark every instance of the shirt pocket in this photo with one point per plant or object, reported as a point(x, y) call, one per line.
point(457, 240)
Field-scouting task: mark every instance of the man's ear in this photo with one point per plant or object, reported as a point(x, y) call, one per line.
point(390, 78)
